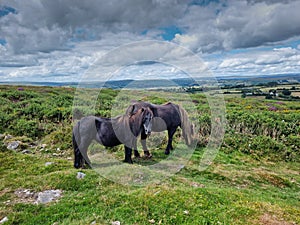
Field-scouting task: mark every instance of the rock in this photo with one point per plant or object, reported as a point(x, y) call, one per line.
point(116, 223)
point(186, 212)
point(152, 221)
point(2, 136)
point(93, 223)
point(26, 151)
point(25, 196)
point(8, 136)
point(49, 163)
point(48, 196)
point(5, 219)
point(80, 175)
point(24, 193)
point(13, 145)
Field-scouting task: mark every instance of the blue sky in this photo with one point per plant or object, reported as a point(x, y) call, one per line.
point(60, 40)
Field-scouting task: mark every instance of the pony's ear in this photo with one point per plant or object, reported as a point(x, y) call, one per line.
point(131, 110)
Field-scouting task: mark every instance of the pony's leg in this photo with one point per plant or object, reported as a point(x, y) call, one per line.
point(128, 152)
point(136, 152)
point(83, 147)
point(171, 133)
point(78, 159)
point(77, 154)
point(144, 145)
point(86, 160)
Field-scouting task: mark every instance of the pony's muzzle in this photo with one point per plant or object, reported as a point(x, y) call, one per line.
point(147, 130)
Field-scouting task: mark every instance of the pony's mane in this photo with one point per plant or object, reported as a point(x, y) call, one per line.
point(120, 123)
point(128, 126)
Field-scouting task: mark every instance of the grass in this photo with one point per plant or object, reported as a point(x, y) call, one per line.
point(235, 189)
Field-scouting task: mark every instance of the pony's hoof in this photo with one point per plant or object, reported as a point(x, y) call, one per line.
point(137, 156)
point(128, 161)
point(147, 155)
point(167, 152)
point(77, 166)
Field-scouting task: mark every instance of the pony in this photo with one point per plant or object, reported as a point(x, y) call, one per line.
point(110, 132)
point(168, 117)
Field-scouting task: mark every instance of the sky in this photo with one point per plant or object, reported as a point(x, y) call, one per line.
point(60, 40)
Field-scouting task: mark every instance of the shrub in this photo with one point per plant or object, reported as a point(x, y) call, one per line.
point(29, 128)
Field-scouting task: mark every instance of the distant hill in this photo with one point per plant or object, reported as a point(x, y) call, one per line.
point(182, 82)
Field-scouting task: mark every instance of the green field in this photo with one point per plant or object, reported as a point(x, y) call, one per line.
point(254, 179)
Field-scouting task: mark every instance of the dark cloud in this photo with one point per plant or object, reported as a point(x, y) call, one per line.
point(43, 26)
point(46, 25)
point(240, 24)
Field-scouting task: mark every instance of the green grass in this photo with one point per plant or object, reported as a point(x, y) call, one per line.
point(235, 189)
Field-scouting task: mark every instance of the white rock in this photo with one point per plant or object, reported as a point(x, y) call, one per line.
point(48, 196)
point(80, 175)
point(5, 219)
point(186, 212)
point(151, 221)
point(7, 137)
point(13, 145)
point(49, 163)
point(116, 223)
point(26, 151)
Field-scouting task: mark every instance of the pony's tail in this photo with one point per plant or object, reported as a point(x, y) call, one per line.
point(76, 142)
point(186, 126)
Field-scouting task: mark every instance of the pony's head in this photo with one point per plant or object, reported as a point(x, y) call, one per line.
point(147, 120)
point(146, 115)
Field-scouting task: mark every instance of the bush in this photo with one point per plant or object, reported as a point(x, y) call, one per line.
point(29, 128)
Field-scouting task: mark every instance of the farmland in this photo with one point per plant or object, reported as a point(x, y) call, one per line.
point(254, 178)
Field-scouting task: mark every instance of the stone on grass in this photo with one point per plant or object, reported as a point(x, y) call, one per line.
point(116, 223)
point(25, 194)
point(26, 151)
point(8, 136)
point(151, 221)
point(48, 196)
point(13, 145)
point(80, 175)
point(5, 219)
point(49, 163)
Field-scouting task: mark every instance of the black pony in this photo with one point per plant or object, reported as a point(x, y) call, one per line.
point(110, 132)
point(168, 116)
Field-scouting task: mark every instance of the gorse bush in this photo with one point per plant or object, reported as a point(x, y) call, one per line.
point(33, 111)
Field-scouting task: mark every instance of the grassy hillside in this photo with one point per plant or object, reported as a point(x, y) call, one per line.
point(254, 179)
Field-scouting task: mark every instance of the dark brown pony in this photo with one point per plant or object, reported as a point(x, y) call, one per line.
point(168, 117)
point(110, 132)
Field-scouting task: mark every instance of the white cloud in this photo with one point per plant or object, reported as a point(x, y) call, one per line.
point(258, 61)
